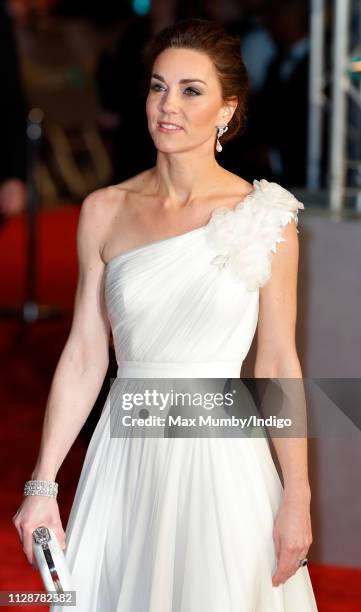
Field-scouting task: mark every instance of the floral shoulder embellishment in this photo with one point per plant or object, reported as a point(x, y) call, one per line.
point(246, 235)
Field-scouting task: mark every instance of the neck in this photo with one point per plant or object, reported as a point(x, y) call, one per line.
point(179, 178)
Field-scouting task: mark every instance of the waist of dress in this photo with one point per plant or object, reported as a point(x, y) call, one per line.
point(179, 369)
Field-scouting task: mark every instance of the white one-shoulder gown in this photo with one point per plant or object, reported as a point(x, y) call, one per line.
point(185, 524)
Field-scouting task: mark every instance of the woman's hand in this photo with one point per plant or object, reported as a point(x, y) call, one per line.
point(35, 511)
point(292, 536)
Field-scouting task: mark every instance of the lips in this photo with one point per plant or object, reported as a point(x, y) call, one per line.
point(166, 125)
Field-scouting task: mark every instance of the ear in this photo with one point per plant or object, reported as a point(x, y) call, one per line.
point(227, 110)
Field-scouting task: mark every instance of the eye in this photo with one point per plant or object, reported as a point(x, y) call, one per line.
point(194, 91)
point(154, 86)
point(191, 90)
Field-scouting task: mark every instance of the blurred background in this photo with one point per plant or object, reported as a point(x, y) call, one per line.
point(72, 119)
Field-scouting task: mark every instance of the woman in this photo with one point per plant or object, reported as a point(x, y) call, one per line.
point(177, 263)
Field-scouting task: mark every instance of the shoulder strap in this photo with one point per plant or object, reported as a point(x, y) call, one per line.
point(245, 237)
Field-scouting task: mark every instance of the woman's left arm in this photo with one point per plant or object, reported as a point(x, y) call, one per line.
point(277, 358)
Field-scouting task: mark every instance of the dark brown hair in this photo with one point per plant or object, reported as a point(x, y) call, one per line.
point(223, 49)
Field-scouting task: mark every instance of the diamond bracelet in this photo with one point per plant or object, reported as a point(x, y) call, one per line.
point(41, 487)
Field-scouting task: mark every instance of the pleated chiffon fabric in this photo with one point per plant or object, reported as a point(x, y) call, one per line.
point(185, 524)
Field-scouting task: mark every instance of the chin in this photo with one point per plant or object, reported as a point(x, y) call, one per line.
point(172, 150)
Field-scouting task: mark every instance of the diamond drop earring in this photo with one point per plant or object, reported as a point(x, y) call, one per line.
point(221, 130)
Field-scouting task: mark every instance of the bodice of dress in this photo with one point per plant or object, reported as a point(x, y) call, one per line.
point(194, 298)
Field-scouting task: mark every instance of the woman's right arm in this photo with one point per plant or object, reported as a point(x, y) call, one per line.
point(78, 376)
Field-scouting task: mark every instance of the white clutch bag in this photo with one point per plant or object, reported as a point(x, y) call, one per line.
point(51, 561)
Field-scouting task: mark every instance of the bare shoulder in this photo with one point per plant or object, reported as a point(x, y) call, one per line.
point(246, 185)
point(96, 213)
point(115, 197)
point(238, 184)
point(135, 185)
point(99, 204)
point(103, 208)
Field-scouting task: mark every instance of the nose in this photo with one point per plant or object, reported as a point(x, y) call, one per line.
point(169, 103)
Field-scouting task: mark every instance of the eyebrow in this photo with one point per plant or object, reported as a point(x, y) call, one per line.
point(160, 78)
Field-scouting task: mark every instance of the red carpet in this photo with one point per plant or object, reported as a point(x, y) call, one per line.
point(29, 356)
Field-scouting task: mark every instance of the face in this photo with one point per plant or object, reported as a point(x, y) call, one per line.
point(184, 103)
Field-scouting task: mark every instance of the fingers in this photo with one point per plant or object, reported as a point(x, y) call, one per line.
point(28, 544)
point(26, 527)
point(277, 544)
point(287, 564)
point(18, 528)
